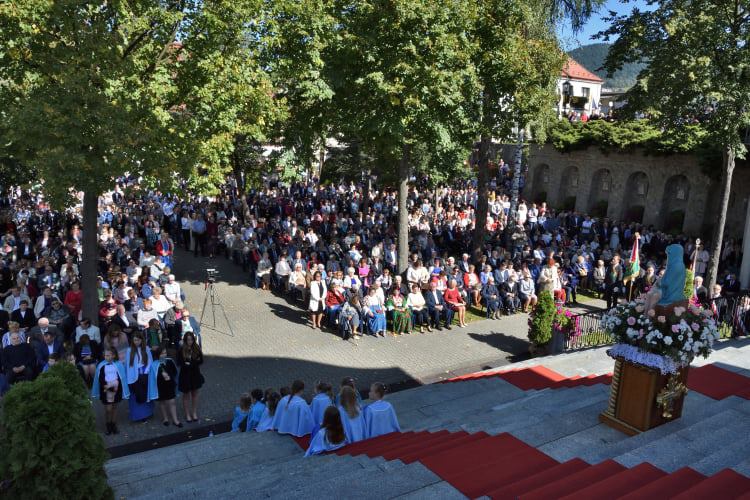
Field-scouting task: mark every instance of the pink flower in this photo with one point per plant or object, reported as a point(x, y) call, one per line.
point(679, 311)
point(639, 308)
point(661, 319)
point(651, 313)
point(631, 321)
point(695, 327)
point(641, 333)
point(675, 328)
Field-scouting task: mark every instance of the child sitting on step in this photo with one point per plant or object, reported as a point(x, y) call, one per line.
point(322, 400)
point(256, 411)
point(380, 417)
point(241, 412)
point(269, 412)
point(293, 415)
point(331, 435)
point(351, 414)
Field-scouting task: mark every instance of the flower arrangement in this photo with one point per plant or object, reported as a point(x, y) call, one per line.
point(565, 322)
point(666, 341)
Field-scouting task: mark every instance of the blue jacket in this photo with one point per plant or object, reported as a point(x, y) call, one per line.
point(430, 299)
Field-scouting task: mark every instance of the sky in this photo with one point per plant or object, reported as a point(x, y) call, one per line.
point(596, 23)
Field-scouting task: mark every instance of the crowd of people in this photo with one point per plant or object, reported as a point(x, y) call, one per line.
point(331, 247)
point(143, 345)
point(331, 420)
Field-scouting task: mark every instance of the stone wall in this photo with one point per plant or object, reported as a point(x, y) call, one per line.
point(669, 191)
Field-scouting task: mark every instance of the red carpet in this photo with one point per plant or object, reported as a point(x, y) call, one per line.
point(303, 442)
point(710, 380)
point(718, 383)
point(503, 467)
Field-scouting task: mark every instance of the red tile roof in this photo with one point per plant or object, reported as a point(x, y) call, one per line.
point(575, 71)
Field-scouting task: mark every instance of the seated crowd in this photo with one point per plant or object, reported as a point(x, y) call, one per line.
point(331, 421)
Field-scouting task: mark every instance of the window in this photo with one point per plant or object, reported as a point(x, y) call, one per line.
point(585, 92)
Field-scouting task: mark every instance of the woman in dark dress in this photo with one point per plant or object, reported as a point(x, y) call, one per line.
point(189, 359)
point(162, 385)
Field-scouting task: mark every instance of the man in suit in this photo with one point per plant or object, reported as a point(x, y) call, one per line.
point(42, 328)
point(24, 316)
point(613, 282)
point(701, 292)
point(391, 257)
point(437, 307)
point(18, 359)
point(731, 286)
point(49, 344)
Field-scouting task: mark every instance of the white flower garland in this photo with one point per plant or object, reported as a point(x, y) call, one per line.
point(631, 353)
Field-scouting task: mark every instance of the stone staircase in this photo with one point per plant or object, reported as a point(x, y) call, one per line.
point(455, 423)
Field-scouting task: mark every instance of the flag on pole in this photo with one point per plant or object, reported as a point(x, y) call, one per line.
point(634, 267)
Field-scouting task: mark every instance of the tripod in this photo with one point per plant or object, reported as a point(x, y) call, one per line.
point(213, 295)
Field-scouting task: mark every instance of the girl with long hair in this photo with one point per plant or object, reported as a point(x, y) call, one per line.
point(293, 415)
point(271, 399)
point(352, 417)
point(331, 435)
point(322, 400)
point(190, 359)
point(137, 365)
point(110, 387)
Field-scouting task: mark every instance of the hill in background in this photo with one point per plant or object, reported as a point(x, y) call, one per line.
point(592, 58)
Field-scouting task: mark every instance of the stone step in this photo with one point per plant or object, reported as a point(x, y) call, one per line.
point(729, 455)
point(182, 467)
point(602, 442)
point(441, 490)
point(689, 445)
point(420, 397)
point(743, 467)
point(456, 409)
point(366, 484)
point(564, 424)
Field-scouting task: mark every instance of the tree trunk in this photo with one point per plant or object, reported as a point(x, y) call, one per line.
point(517, 166)
point(241, 187)
point(367, 191)
point(90, 256)
point(403, 214)
point(483, 178)
point(726, 188)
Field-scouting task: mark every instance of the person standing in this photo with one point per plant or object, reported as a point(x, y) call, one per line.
point(137, 365)
point(190, 359)
point(318, 291)
point(110, 387)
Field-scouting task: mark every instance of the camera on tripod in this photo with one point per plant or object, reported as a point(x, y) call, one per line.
point(211, 275)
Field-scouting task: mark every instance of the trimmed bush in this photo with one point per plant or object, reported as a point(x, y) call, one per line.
point(541, 319)
point(50, 447)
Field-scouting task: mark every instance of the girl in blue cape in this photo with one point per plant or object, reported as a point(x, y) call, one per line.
point(380, 418)
point(331, 435)
point(293, 416)
point(110, 387)
point(271, 405)
point(137, 365)
point(162, 385)
point(348, 382)
point(256, 411)
point(241, 412)
point(322, 400)
point(352, 417)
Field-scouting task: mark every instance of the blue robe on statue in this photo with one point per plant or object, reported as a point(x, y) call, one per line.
point(139, 407)
point(95, 389)
point(295, 419)
point(257, 412)
point(318, 409)
point(380, 418)
point(320, 444)
point(353, 427)
point(266, 421)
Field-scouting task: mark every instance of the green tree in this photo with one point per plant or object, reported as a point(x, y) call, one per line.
point(50, 446)
point(541, 319)
point(90, 91)
point(698, 71)
point(402, 76)
point(517, 60)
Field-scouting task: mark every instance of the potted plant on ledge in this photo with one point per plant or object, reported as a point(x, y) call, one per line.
point(657, 337)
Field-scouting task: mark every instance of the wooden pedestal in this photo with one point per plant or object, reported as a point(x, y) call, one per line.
point(641, 398)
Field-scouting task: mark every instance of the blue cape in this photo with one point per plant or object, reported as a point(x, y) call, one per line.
point(318, 408)
point(353, 427)
point(296, 419)
point(380, 418)
point(320, 444)
point(153, 373)
point(123, 380)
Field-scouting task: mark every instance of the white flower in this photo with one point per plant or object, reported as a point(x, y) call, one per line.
point(668, 340)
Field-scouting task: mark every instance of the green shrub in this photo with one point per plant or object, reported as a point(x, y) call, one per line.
point(689, 285)
point(50, 447)
point(541, 319)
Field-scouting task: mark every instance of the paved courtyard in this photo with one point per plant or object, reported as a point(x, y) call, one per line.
point(272, 344)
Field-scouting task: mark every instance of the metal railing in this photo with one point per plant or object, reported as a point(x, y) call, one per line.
point(732, 315)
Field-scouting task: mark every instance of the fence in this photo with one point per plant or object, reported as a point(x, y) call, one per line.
point(732, 315)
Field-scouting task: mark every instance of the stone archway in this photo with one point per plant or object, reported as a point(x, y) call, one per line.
point(675, 203)
point(569, 184)
point(636, 193)
point(601, 188)
point(540, 191)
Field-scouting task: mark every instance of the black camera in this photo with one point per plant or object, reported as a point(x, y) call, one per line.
point(211, 275)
